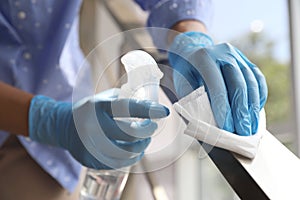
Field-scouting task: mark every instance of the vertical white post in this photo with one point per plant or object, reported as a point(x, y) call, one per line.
point(294, 11)
point(188, 181)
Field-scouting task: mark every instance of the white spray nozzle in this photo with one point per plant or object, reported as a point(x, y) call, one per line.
point(143, 76)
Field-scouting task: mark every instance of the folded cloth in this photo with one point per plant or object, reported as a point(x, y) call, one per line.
point(196, 110)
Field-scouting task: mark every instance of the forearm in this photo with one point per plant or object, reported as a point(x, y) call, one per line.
point(189, 25)
point(14, 105)
point(186, 26)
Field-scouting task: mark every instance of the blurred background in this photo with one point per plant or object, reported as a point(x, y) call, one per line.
point(260, 29)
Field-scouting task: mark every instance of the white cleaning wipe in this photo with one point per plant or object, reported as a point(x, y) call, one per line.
point(196, 109)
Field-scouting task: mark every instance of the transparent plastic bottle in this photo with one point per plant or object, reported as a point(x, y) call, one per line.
point(143, 77)
point(103, 184)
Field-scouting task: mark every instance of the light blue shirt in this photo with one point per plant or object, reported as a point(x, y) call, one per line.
point(40, 53)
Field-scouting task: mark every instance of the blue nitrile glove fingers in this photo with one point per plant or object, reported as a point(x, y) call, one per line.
point(253, 92)
point(103, 160)
point(86, 137)
point(222, 69)
point(238, 99)
point(260, 78)
point(130, 131)
point(137, 146)
point(236, 87)
point(133, 108)
point(84, 156)
point(242, 88)
point(214, 83)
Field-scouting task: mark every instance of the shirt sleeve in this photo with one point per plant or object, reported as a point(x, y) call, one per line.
point(166, 13)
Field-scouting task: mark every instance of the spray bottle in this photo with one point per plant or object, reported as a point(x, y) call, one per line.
point(143, 77)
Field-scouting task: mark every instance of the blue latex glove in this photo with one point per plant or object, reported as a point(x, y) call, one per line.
point(236, 87)
point(90, 132)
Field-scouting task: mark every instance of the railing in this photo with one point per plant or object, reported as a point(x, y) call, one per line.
point(275, 171)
